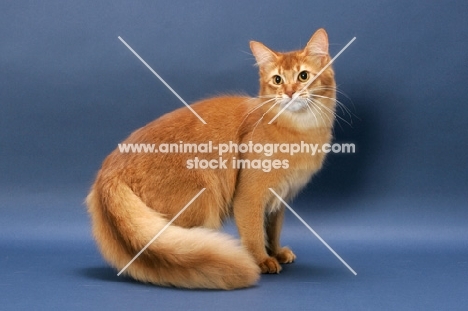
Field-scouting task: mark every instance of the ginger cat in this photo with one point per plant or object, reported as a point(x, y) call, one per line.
point(136, 194)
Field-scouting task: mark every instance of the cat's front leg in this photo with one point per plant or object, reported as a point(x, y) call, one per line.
point(274, 223)
point(249, 214)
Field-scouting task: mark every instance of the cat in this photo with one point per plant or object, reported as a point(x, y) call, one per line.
point(135, 195)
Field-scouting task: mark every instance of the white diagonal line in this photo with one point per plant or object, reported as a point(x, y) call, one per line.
point(310, 82)
point(160, 232)
point(162, 80)
point(313, 231)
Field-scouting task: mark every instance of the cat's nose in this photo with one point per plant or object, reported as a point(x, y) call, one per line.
point(289, 90)
point(289, 93)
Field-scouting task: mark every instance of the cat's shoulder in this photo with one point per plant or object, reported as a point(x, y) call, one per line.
point(224, 104)
point(225, 99)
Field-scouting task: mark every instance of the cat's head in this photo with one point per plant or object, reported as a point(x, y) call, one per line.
point(284, 76)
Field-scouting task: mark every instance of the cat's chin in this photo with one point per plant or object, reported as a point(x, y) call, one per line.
point(297, 105)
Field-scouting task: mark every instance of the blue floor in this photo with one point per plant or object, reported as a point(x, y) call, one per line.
point(49, 262)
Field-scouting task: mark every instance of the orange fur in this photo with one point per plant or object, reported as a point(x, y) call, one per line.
point(136, 194)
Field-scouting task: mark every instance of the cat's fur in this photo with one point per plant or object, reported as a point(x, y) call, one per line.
point(136, 194)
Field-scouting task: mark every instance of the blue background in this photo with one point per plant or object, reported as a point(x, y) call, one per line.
point(396, 210)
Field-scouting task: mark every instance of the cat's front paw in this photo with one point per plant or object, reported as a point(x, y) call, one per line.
point(285, 255)
point(270, 265)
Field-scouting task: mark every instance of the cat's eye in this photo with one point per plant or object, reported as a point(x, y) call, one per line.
point(303, 76)
point(277, 80)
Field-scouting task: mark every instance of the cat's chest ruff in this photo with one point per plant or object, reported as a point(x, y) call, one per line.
point(288, 188)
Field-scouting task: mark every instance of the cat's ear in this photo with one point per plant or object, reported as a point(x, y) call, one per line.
point(318, 44)
point(263, 55)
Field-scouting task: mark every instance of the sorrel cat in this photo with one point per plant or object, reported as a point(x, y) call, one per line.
point(136, 194)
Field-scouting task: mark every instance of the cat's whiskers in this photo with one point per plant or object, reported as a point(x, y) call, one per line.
point(344, 109)
point(313, 103)
point(277, 102)
point(324, 115)
point(332, 111)
point(313, 113)
point(318, 106)
point(337, 117)
point(272, 98)
point(335, 89)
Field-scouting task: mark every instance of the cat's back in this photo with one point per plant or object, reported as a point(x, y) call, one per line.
point(223, 116)
point(148, 148)
point(217, 109)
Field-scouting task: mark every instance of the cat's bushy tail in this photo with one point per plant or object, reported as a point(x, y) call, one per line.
point(190, 258)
